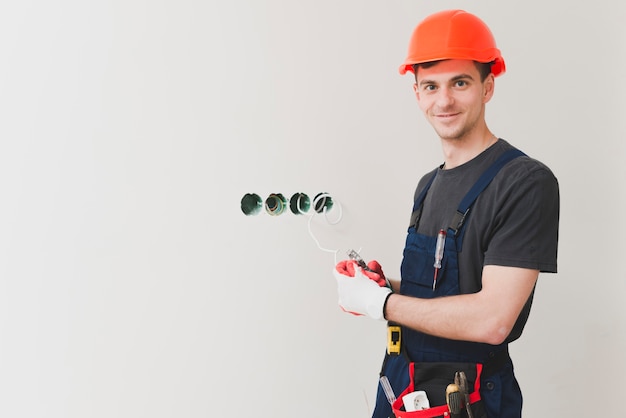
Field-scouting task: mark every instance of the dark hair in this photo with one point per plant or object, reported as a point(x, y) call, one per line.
point(484, 68)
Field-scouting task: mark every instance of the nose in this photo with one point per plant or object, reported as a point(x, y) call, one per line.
point(445, 98)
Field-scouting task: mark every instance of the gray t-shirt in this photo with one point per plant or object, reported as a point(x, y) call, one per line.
point(514, 221)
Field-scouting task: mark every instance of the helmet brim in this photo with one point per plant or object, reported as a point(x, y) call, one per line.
point(497, 68)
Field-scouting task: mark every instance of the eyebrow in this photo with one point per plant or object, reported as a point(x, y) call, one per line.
point(453, 79)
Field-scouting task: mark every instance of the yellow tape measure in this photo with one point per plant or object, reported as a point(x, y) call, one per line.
point(394, 333)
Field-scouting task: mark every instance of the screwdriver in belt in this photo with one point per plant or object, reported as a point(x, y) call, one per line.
point(454, 400)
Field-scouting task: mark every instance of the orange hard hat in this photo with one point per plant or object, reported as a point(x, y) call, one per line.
point(453, 34)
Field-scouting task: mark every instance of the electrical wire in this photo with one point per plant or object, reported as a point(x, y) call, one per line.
point(300, 199)
point(324, 211)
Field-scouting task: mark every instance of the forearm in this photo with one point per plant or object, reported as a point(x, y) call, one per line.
point(459, 317)
point(487, 316)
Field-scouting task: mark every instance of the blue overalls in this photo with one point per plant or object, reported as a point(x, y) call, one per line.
point(501, 396)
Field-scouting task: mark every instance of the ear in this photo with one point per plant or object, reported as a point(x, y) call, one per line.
point(489, 86)
point(417, 92)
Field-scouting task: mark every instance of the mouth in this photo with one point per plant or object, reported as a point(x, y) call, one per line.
point(446, 116)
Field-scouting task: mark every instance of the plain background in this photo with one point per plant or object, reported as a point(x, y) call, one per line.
point(132, 285)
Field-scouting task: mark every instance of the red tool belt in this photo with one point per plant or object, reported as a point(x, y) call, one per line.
point(433, 378)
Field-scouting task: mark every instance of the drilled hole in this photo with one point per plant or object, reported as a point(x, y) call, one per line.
point(251, 204)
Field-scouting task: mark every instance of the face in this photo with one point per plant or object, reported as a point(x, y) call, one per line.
point(453, 98)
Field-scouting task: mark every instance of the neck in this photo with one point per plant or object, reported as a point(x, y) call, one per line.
point(459, 151)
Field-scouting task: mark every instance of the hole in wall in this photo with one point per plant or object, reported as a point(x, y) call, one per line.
point(275, 204)
point(322, 201)
point(251, 204)
point(299, 203)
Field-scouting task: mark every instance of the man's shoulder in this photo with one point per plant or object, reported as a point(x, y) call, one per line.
point(424, 180)
point(524, 167)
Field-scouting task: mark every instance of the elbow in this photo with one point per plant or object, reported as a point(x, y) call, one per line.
point(496, 338)
point(495, 333)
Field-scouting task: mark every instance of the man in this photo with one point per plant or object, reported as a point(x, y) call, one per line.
point(484, 225)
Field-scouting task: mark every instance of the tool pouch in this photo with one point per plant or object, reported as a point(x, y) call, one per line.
point(433, 378)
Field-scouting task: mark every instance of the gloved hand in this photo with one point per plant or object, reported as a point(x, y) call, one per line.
point(359, 294)
point(375, 272)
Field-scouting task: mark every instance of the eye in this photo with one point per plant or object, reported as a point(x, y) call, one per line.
point(461, 83)
point(429, 87)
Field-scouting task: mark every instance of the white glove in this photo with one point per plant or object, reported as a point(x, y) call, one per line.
point(360, 295)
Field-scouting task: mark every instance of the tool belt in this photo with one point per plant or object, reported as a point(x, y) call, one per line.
point(434, 378)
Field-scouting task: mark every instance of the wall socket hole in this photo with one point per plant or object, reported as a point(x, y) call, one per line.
point(322, 201)
point(251, 204)
point(275, 204)
point(299, 203)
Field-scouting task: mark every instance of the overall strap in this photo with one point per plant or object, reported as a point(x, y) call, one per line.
point(417, 205)
point(479, 186)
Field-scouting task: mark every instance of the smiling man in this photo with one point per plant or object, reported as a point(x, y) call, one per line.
point(483, 226)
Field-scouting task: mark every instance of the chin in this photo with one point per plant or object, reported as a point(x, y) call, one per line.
point(450, 136)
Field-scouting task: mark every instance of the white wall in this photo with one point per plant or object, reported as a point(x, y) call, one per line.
point(131, 285)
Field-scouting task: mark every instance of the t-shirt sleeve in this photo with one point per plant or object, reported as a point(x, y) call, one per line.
point(526, 222)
